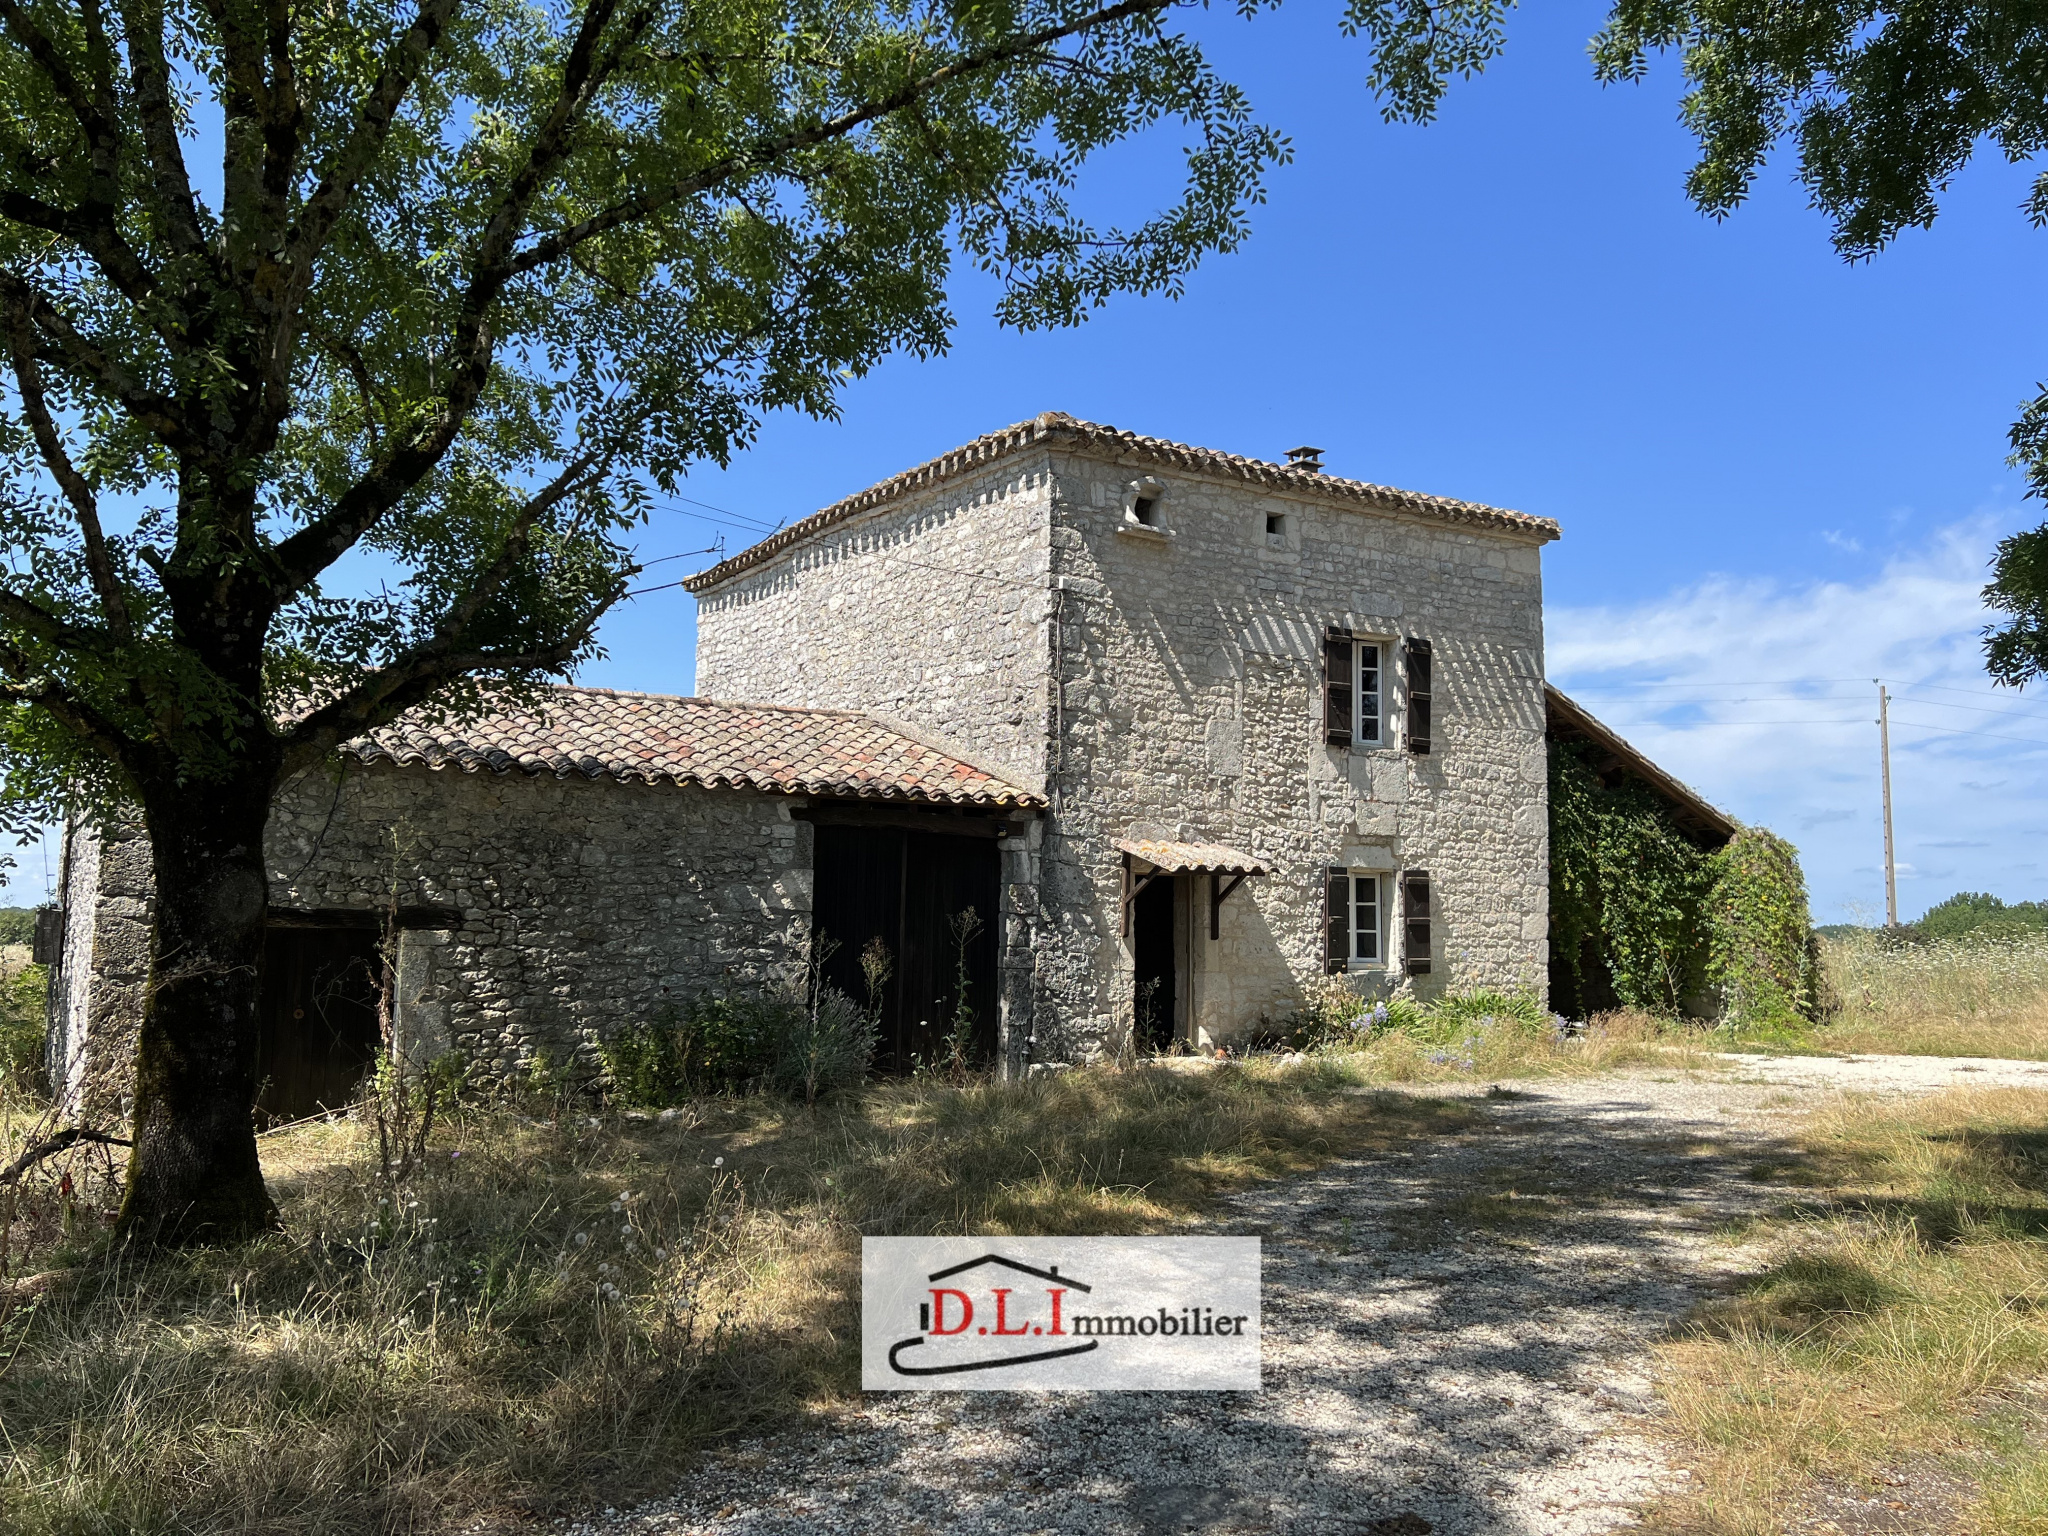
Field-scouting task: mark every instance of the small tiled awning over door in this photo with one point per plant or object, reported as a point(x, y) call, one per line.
point(1226, 867)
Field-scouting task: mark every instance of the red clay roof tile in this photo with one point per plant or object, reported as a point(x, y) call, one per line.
point(662, 739)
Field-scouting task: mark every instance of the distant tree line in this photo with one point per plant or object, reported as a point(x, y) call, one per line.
point(1978, 914)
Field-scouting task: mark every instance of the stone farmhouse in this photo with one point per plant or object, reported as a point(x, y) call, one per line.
point(1185, 732)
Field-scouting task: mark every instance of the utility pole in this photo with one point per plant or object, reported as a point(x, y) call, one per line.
point(1884, 753)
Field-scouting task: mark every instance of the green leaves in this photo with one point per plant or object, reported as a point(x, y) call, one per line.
point(1640, 907)
point(479, 277)
point(1418, 46)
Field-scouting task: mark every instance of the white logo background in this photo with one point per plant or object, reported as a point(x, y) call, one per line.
point(1157, 1314)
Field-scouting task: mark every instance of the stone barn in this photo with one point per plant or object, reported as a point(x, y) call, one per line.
point(1187, 731)
point(552, 873)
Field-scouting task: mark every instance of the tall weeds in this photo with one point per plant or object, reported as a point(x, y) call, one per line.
point(1969, 996)
point(553, 1311)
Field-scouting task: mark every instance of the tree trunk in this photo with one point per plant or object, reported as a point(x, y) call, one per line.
point(194, 1176)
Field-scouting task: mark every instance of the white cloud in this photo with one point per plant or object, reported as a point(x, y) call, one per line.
point(1759, 692)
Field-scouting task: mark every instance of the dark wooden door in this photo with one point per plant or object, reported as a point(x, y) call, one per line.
point(1153, 969)
point(910, 890)
point(319, 1031)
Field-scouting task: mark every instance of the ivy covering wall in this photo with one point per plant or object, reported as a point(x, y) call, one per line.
point(1643, 916)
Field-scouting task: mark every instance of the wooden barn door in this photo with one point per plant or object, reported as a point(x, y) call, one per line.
point(909, 889)
point(319, 1019)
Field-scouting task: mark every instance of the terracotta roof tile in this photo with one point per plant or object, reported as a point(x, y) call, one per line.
point(658, 738)
point(1056, 427)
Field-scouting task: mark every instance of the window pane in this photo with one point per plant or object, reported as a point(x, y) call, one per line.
point(1368, 692)
point(1365, 917)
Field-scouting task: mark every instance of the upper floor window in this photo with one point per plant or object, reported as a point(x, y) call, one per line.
point(1368, 654)
point(1358, 686)
point(1354, 691)
point(1145, 504)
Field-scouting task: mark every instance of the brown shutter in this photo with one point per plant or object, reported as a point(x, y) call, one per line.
point(1415, 914)
point(1417, 718)
point(1337, 714)
point(1336, 920)
point(48, 945)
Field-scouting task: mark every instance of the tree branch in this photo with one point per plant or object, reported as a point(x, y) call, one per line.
point(411, 680)
point(66, 708)
point(92, 365)
point(46, 626)
point(767, 151)
point(94, 225)
point(43, 49)
point(28, 377)
point(49, 1147)
point(313, 548)
point(337, 188)
point(149, 79)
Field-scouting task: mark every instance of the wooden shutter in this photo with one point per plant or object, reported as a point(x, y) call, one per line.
point(1417, 718)
point(1337, 711)
point(47, 947)
point(1415, 920)
point(1336, 920)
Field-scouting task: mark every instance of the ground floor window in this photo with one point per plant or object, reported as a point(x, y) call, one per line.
point(1355, 918)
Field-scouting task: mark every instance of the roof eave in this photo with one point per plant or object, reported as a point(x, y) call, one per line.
point(1692, 805)
point(1056, 428)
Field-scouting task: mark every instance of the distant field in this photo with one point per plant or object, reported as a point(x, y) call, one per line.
point(1970, 996)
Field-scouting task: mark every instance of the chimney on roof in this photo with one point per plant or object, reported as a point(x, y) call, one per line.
point(1310, 459)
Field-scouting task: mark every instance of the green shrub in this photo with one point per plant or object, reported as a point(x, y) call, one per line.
point(17, 925)
point(830, 1044)
point(1762, 953)
point(776, 1039)
point(1452, 1018)
point(22, 1027)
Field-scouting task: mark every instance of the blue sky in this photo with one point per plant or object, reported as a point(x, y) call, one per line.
point(1779, 476)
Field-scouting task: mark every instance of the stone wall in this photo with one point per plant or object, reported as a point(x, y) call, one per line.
point(572, 905)
point(933, 614)
point(107, 897)
point(1190, 708)
point(930, 612)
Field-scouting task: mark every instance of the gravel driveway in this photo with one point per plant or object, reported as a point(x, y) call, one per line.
point(1454, 1343)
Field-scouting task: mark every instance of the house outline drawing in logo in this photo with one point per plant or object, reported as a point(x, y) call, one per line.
point(931, 1325)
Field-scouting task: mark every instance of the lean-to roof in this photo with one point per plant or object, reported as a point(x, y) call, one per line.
point(655, 738)
point(1689, 808)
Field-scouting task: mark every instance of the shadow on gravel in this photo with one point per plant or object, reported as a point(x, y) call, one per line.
point(1441, 1321)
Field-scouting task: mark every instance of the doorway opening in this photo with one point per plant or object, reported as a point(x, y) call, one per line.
point(317, 1037)
point(911, 893)
point(1155, 1011)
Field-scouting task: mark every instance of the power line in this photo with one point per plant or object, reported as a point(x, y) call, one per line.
point(1952, 730)
point(1918, 725)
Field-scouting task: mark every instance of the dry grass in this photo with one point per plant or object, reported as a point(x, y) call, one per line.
point(566, 1310)
point(1886, 1347)
point(1959, 997)
point(1506, 1047)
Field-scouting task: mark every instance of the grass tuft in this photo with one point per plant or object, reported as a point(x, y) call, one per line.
point(1902, 1302)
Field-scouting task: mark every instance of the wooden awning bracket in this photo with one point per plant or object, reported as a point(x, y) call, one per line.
point(1218, 894)
point(1134, 883)
point(1221, 884)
